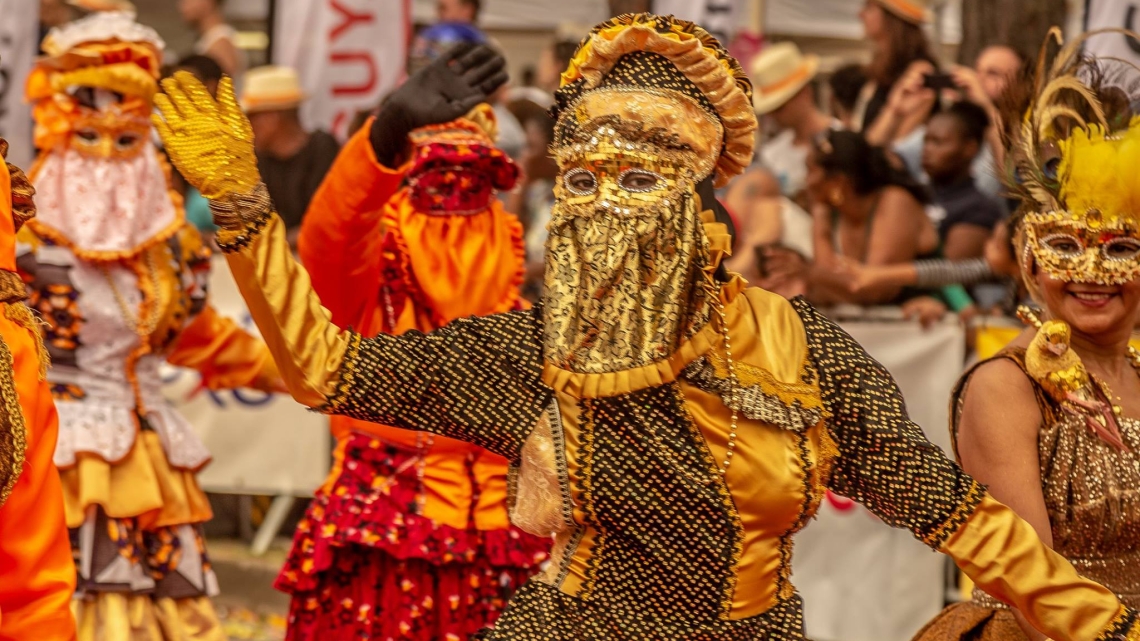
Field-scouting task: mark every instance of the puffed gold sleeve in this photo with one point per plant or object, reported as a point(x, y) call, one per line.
point(477, 379)
point(888, 465)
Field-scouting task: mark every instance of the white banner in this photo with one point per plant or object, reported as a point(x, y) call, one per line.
point(1113, 14)
point(19, 42)
point(262, 444)
point(860, 580)
point(349, 54)
point(722, 18)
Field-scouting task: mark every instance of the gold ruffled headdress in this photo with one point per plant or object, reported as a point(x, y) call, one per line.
point(1073, 165)
point(649, 107)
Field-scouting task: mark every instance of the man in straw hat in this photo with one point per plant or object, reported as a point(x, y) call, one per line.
point(782, 79)
point(670, 426)
point(769, 199)
point(292, 161)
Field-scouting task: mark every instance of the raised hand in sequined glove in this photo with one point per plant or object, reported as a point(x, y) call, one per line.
point(443, 91)
point(210, 142)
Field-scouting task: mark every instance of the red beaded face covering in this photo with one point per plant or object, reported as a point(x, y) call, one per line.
point(448, 179)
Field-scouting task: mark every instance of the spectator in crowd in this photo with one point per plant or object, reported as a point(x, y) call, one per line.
point(782, 85)
point(997, 66)
point(866, 210)
point(533, 200)
point(462, 11)
point(894, 28)
point(770, 197)
point(554, 60)
point(292, 161)
point(954, 137)
point(845, 84)
point(216, 38)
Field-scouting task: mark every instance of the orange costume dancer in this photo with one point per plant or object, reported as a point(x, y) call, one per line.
point(411, 529)
point(37, 576)
point(119, 278)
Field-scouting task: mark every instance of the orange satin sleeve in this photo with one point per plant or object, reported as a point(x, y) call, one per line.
point(7, 222)
point(339, 242)
point(224, 354)
point(1003, 556)
point(37, 573)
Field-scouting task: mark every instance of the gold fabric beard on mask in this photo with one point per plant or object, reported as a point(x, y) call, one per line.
point(626, 249)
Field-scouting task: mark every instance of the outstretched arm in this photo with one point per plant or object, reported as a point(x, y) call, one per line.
point(888, 465)
point(476, 380)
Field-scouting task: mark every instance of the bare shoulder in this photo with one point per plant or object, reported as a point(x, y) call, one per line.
point(898, 200)
point(999, 407)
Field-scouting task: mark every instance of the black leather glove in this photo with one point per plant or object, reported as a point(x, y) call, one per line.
point(443, 91)
point(709, 201)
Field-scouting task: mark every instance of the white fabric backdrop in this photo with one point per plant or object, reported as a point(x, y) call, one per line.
point(860, 580)
point(1118, 14)
point(349, 53)
point(261, 444)
point(19, 35)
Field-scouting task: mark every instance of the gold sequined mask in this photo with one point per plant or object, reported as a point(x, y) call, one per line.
point(625, 249)
point(649, 107)
point(1095, 236)
point(111, 128)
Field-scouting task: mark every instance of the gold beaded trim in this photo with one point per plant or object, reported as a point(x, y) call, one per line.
point(13, 432)
point(1125, 627)
point(12, 287)
point(346, 376)
point(241, 217)
point(961, 514)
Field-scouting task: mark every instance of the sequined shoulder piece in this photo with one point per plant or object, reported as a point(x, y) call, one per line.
point(886, 463)
point(476, 380)
point(13, 435)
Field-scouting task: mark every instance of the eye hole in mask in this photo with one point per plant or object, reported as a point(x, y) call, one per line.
point(580, 182)
point(1121, 249)
point(88, 135)
point(1064, 245)
point(127, 141)
point(640, 180)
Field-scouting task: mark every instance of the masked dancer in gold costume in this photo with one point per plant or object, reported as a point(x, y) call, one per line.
point(672, 427)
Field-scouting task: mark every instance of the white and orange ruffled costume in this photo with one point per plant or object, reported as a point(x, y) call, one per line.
point(118, 278)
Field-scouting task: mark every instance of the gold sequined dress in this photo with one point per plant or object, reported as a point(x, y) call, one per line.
point(1092, 493)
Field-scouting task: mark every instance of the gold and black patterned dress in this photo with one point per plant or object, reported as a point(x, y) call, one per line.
point(1092, 493)
point(651, 541)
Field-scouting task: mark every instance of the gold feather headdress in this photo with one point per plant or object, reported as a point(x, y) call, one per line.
point(1073, 159)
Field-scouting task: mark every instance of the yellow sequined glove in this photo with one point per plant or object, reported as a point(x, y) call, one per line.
point(210, 142)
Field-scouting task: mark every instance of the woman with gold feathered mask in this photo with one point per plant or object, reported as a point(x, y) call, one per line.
point(670, 427)
point(1052, 423)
